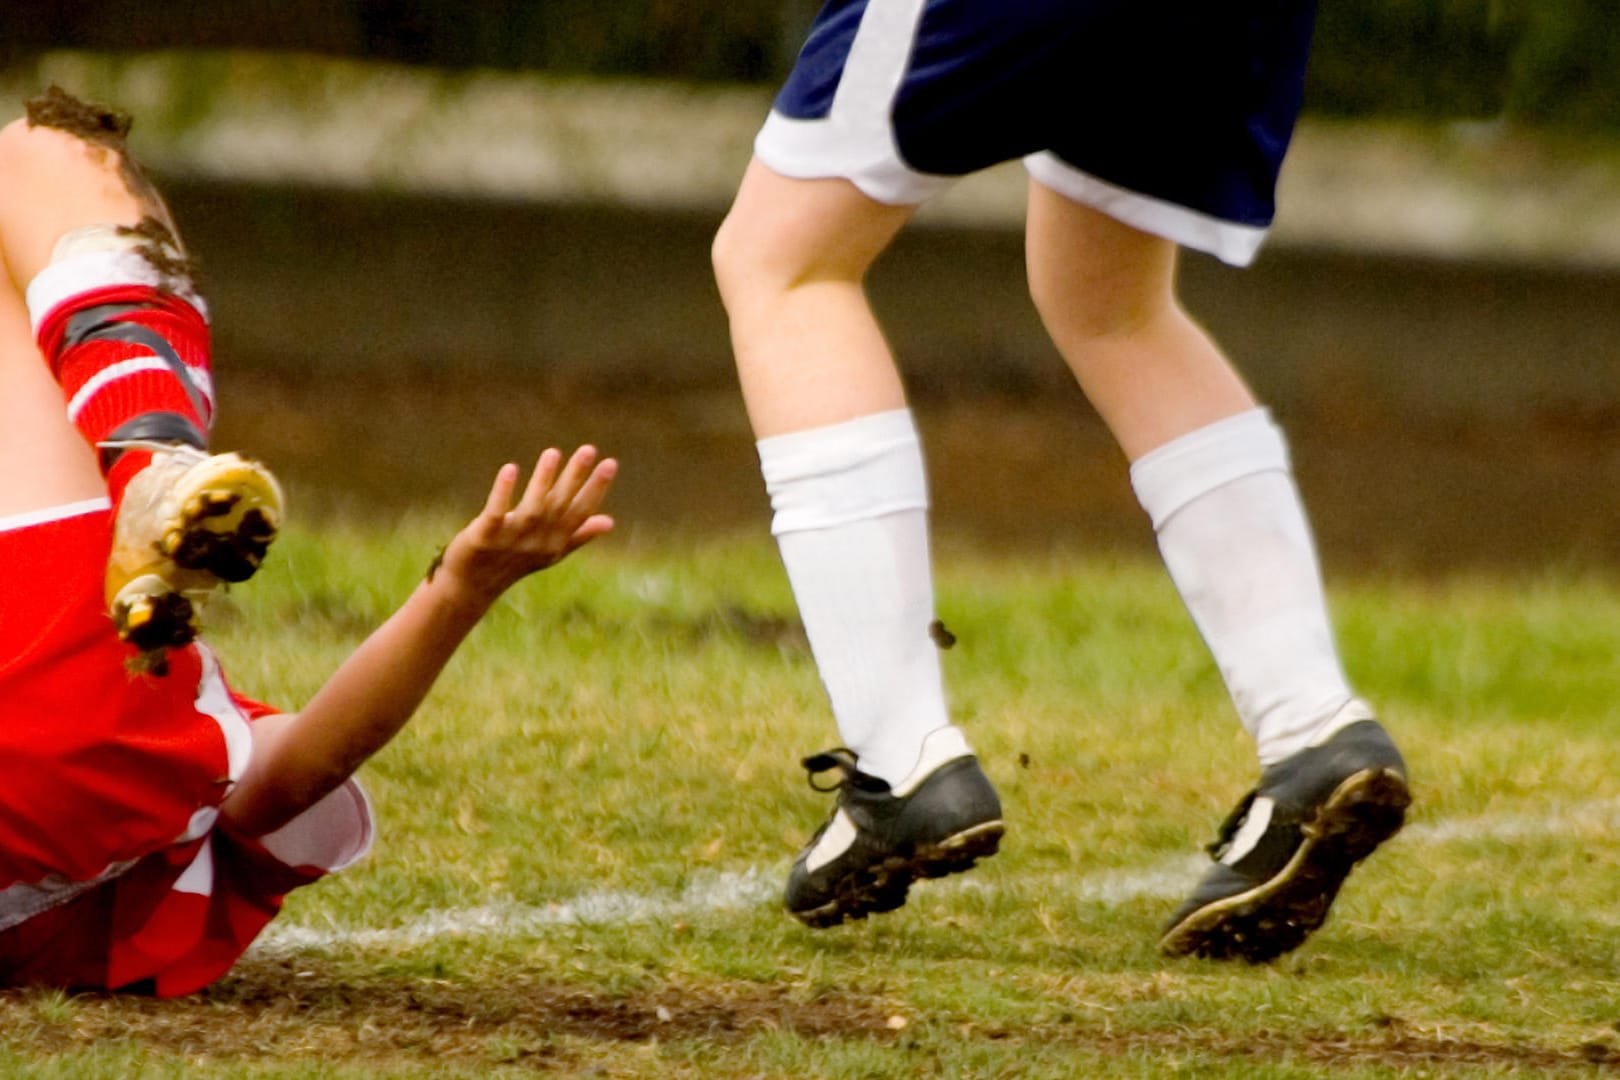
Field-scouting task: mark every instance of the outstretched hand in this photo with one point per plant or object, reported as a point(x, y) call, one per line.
point(556, 515)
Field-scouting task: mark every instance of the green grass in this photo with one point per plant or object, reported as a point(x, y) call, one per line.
point(582, 835)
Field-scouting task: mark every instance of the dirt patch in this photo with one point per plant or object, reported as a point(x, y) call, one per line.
point(293, 1010)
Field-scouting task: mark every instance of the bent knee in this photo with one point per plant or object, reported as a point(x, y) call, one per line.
point(751, 260)
point(36, 159)
point(1100, 312)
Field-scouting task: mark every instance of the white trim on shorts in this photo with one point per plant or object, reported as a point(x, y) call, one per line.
point(27, 519)
point(855, 140)
point(1228, 241)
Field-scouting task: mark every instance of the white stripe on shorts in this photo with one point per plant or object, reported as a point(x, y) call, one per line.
point(1228, 241)
point(855, 140)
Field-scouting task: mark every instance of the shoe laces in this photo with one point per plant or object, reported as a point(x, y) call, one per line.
point(1229, 828)
point(843, 759)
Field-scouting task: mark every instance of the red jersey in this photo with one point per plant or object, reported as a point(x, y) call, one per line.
point(114, 870)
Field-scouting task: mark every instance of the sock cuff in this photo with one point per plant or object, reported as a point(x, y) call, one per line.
point(1171, 476)
point(103, 268)
point(853, 471)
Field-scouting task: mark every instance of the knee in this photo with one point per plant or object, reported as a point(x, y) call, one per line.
point(781, 236)
point(21, 148)
point(37, 157)
point(749, 267)
point(1079, 315)
point(730, 254)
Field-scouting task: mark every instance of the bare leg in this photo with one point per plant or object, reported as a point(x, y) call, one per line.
point(839, 451)
point(1211, 469)
point(844, 467)
point(47, 463)
point(790, 261)
point(51, 183)
point(1106, 293)
point(89, 248)
point(55, 180)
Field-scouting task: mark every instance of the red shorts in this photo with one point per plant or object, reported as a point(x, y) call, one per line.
point(97, 765)
point(110, 784)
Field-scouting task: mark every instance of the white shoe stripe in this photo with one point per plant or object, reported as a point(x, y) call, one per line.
point(834, 841)
point(1253, 828)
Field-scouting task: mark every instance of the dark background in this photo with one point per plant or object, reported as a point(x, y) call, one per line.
point(386, 351)
point(1546, 62)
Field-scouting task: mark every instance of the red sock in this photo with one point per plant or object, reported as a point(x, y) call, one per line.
point(133, 362)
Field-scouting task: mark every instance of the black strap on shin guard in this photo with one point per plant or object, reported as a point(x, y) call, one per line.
point(151, 427)
point(102, 323)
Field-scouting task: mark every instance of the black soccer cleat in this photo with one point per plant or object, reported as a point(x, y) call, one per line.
point(880, 839)
point(1284, 852)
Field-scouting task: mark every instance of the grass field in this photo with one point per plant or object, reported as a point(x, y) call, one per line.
point(582, 838)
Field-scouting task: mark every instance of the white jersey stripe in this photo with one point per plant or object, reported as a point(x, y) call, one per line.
point(27, 519)
point(214, 700)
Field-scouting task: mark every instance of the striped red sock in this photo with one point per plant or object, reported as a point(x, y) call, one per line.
point(126, 353)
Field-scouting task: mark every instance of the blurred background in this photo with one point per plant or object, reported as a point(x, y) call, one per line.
point(440, 235)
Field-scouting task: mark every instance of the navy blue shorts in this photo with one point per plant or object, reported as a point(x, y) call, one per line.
point(1170, 115)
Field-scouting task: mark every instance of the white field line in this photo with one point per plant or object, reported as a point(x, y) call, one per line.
point(740, 890)
point(729, 891)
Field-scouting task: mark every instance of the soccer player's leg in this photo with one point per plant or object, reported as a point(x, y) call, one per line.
point(844, 469)
point(124, 332)
point(1213, 473)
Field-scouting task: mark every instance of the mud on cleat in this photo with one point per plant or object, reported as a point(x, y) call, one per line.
point(1284, 852)
point(188, 522)
point(940, 820)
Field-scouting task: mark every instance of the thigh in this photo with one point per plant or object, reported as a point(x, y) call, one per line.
point(44, 462)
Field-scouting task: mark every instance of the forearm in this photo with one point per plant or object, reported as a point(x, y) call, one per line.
point(298, 760)
point(359, 709)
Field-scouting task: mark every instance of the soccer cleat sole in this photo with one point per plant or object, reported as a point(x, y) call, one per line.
point(151, 616)
point(216, 531)
point(1276, 916)
point(883, 886)
point(226, 526)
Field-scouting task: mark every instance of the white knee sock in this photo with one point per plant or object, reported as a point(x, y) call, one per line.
point(851, 521)
point(1235, 540)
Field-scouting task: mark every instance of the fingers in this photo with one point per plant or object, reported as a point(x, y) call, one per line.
point(593, 490)
point(500, 492)
point(593, 526)
point(545, 475)
point(569, 497)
